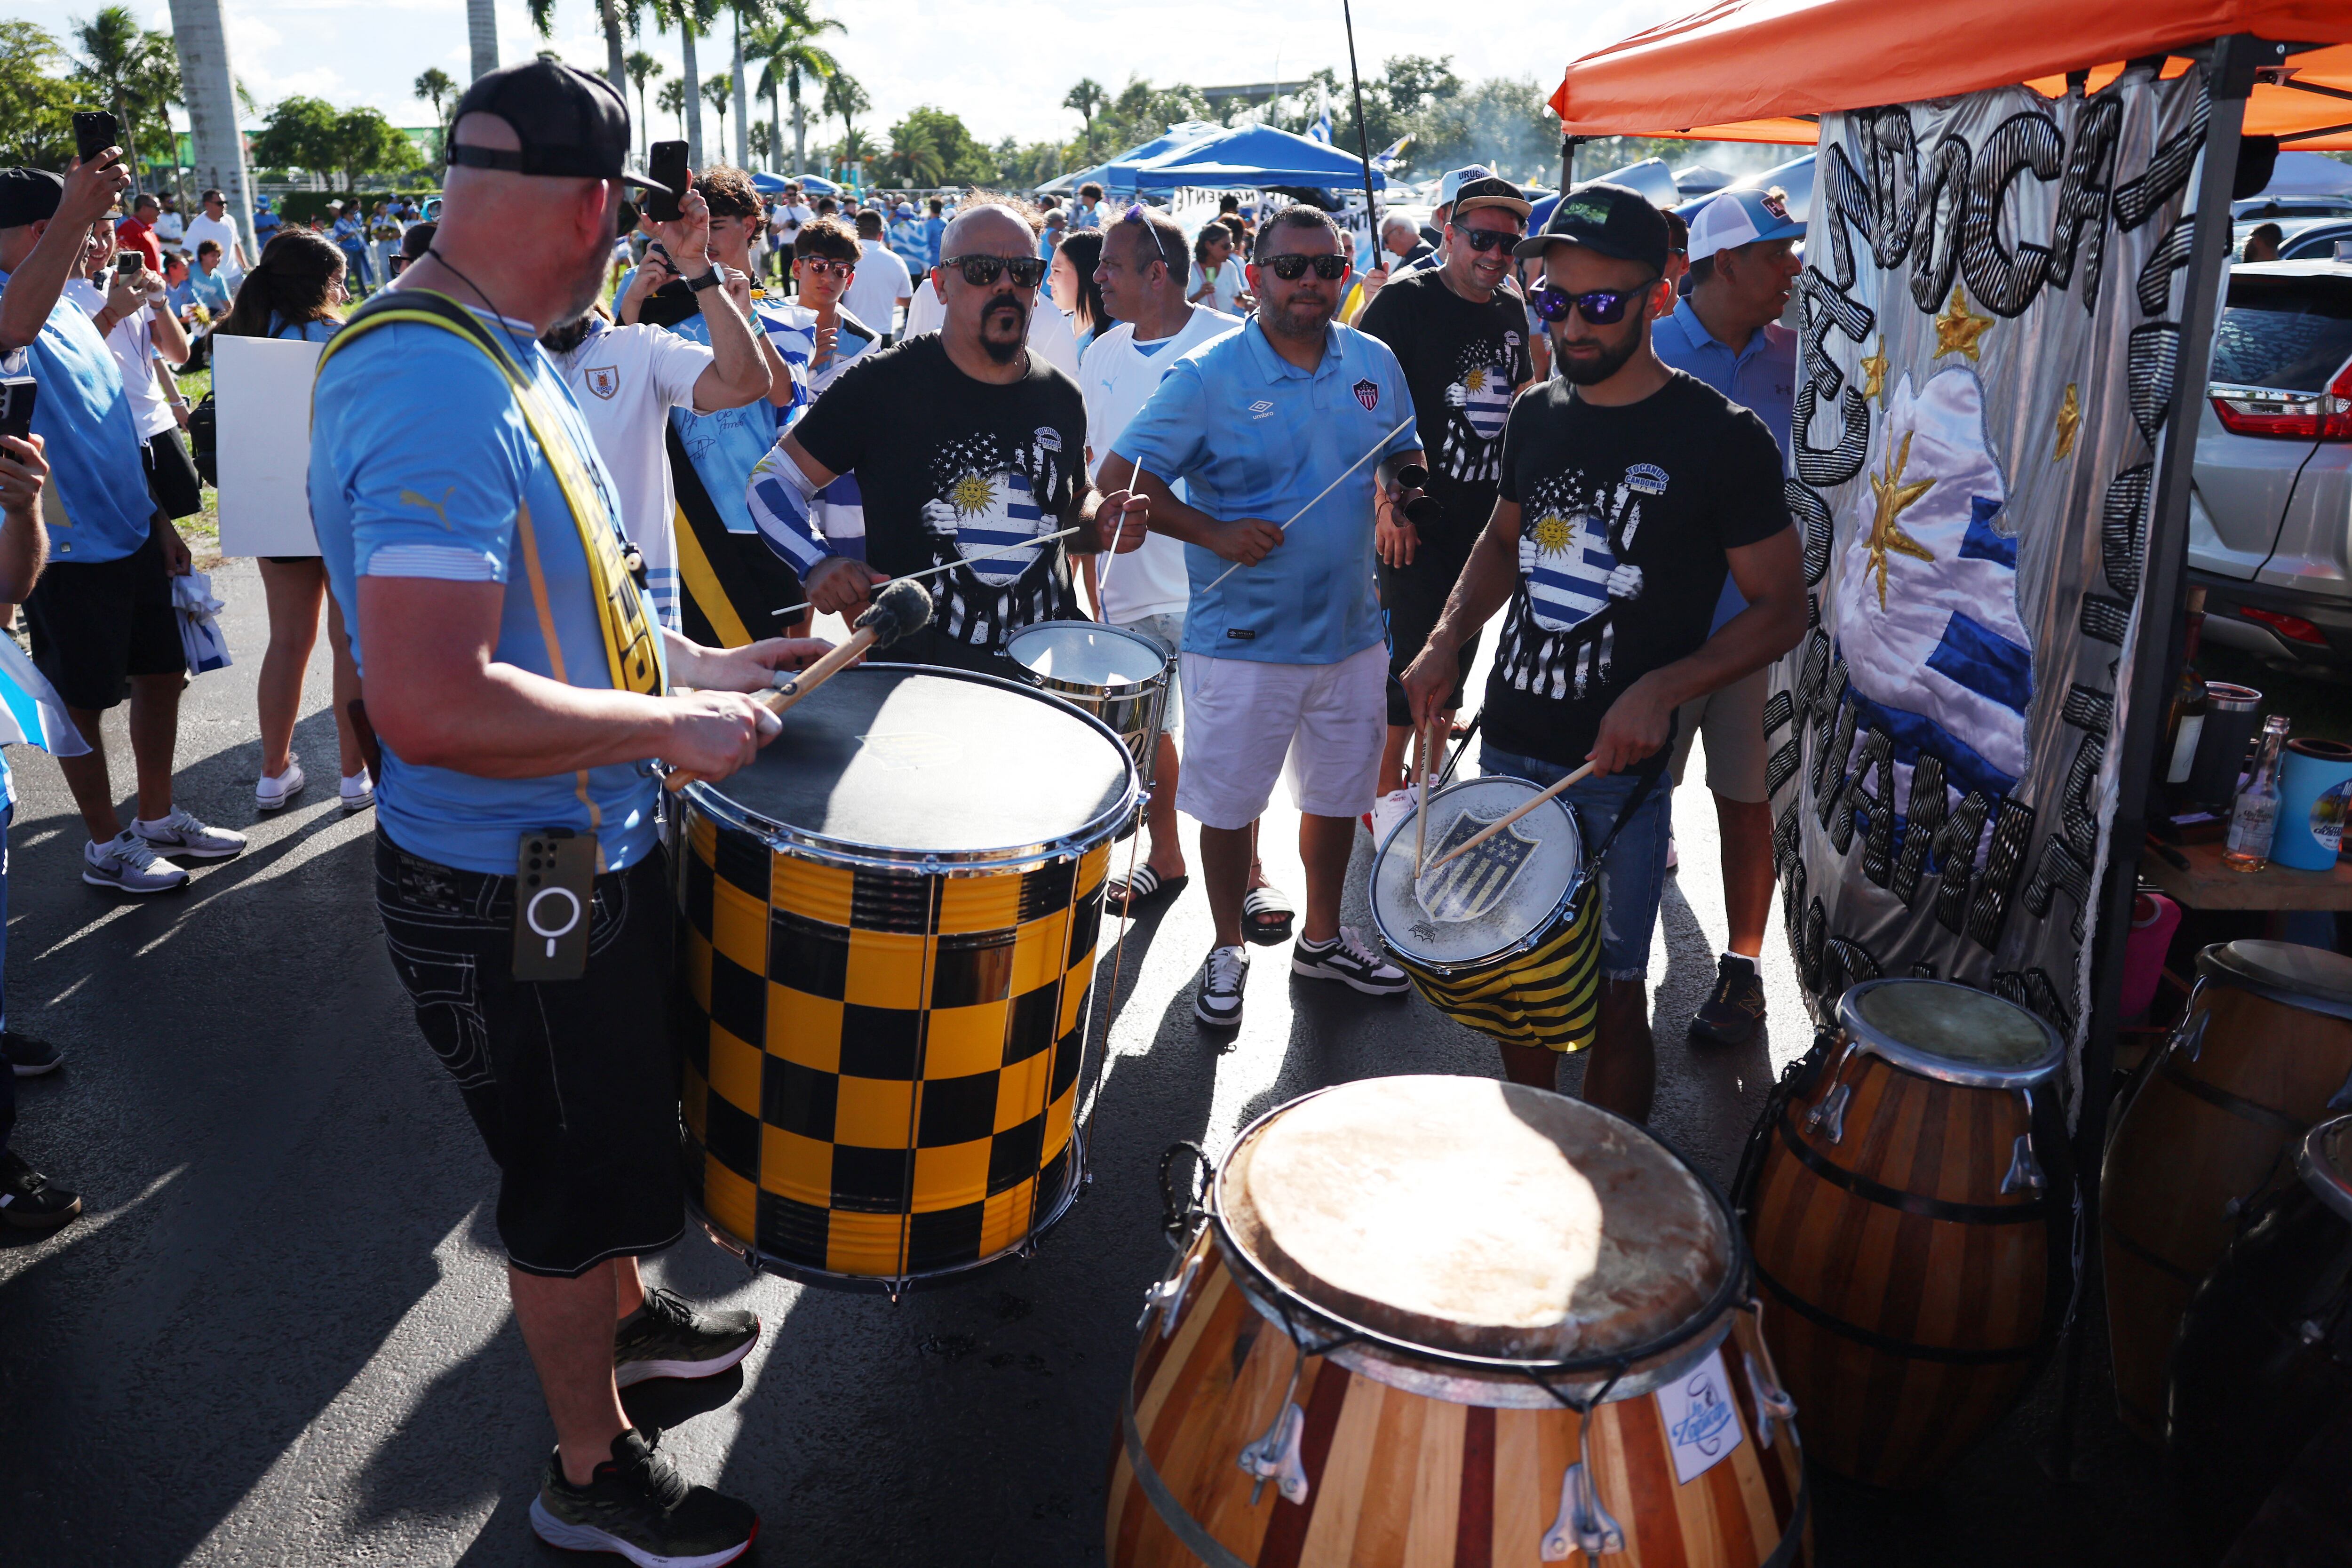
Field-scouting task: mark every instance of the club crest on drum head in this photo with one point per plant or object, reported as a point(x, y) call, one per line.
point(1466, 889)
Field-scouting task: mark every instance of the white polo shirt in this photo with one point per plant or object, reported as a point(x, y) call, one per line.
point(881, 282)
point(626, 379)
point(1119, 379)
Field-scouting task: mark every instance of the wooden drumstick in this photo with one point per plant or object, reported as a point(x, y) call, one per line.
point(1326, 491)
point(1500, 823)
point(900, 609)
point(1420, 804)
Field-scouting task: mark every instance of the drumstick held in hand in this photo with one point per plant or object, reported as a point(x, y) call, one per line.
point(899, 610)
point(1420, 804)
point(1102, 578)
point(1326, 491)
point(1500, 823)
point(1038, 543)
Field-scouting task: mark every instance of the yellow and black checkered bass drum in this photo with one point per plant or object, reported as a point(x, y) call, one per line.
point(888, 944)
point(1505, 939)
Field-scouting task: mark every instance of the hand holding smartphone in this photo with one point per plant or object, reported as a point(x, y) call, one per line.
point(666, 165)
point(94, 131)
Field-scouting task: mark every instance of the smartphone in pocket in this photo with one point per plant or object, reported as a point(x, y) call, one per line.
point(666, 165)
point(555, 883)
point(95, 129)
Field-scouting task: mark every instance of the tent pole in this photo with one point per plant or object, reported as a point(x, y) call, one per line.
point(1363, 144)
point(2229, 66)
point(1568, 146)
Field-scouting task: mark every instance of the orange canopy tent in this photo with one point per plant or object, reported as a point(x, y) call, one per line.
point(1759, 70)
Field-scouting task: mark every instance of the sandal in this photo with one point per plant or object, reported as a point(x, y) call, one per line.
point(1267, 916)
point(1147, 886)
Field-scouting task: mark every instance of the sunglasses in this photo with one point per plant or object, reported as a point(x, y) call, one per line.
point(1291, 269)
point(1601, 306)
point(1485, 239)
point(830, 268)
point(982, 271)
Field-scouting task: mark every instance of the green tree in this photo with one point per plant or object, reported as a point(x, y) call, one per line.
point(135, 72)
point(365, 142)
point(671, 100)
point(35, 106)
point(693, 19)
point(1143, 111)
point(300, 133)
point(434, 85)
point(1086, 99)
point(845, 98)
point(1413, 83)
point(716, 91)
point(963, 159)
point(788, 48)
point(643, 68)
point(915, 158)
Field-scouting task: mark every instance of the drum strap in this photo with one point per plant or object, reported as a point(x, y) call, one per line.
point(1590, 876)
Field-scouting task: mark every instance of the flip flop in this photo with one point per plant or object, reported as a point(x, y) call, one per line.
point(1257, 905)
point(1123, 898)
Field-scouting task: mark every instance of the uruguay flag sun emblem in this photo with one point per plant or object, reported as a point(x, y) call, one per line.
point(1484, 398)
point(993, 511)
point(1566, 560)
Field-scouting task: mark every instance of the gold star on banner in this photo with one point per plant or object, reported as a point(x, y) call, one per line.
point(1893, 497)
point(1873, 371)
point(1957, 331)
point(2070, 421)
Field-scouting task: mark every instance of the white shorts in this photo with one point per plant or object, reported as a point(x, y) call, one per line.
point(1328, 721)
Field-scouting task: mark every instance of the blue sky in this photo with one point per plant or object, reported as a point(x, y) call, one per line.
point(1003, 65)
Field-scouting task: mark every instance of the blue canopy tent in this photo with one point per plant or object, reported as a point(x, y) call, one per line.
point(1183, 134)
point(1254, 156)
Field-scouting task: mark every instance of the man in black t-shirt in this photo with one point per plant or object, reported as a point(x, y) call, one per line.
point(965, 443)
point(1627, 492)
point(1460, 331)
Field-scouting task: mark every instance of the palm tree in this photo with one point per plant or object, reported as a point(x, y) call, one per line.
point(132, 68)
point(757, 12)
point(671, 100)
point(1088, 99)
point(434, 84)
point(616, 64)
point(716, 91)
point(482, 34)
point(844, 96)
point(208, 87)
point(789, 49)
point(915, 154)
point(690, 17)
point(643, 68)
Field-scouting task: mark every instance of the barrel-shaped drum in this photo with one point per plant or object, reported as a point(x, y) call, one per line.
point(2264, 1053)
point(1380, 1348)
point(887, 940)
point(1122, 677)
point(1913, 1224)
point(2264, 1357)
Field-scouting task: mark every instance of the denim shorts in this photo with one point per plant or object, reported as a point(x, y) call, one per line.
point(1634, 878)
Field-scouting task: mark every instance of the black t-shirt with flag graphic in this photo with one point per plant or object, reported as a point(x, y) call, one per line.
point(950, 467)
point(1625, 514)
point(1460, 361)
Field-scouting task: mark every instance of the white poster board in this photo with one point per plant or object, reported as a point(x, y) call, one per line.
point(261, 392)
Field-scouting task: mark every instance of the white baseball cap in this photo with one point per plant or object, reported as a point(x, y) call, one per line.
point(1741, 218)
point(1448, 187)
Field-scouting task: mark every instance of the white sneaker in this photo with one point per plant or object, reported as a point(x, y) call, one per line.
point(1218, 1003)
point(358, 791)
point(1391, 809)
point(182, 834)
point(272, 794)
point(128, 862)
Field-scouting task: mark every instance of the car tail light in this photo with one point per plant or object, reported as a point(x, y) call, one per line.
point(2302, 416)
point(2295, 629)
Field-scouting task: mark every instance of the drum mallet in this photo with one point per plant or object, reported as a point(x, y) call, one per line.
point(1369, 454)
point(900, 609)
point(1500, 823)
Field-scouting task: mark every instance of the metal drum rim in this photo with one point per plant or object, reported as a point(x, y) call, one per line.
point(1273, 1299)
point(801, 843)
point(1867, 1038)
point(2213, 964)
point(1119, 688)
point(2330, 1183)
point(1448, 968)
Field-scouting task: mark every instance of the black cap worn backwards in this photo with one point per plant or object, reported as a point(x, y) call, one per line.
point(28, 195)
point(1612, 219)
point(571, 125)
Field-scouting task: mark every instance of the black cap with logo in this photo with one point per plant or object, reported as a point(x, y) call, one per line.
point(1612, 219)
point(572, 124)
point(28, 195)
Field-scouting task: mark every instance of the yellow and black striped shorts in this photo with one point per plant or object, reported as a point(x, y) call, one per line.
point(1549, 997)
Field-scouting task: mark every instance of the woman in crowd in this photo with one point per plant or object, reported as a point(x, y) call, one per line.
point(1216, 276)
point(296, 290)
point(1074, 289)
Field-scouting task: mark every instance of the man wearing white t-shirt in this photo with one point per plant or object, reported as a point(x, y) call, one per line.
point(213, 224)
point(789, 217)
point(627, 379)
point(883, 286)
point(1142, 277)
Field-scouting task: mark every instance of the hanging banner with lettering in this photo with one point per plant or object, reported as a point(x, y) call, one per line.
point(1992, 294)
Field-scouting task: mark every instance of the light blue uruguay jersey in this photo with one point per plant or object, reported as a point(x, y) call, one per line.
point(422, 465)
point(1253, 436)
point(83, 416)
point(724, 447)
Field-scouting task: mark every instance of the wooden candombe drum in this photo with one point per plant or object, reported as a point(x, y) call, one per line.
point(1376, 1349)
point(888, 944)
point(2264, 1357)
point(2263, 1052)
point(1913, 1221)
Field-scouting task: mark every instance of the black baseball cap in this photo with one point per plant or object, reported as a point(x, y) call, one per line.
point(28, 195)
point(572, 124)
point(1492, 192)
point(1612, 219)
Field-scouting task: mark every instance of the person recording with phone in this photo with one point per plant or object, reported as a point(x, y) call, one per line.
point(131, 308)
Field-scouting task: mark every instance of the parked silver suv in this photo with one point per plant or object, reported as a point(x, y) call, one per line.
point(2270, 519)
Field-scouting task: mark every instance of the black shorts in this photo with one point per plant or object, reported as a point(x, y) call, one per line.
point(171, 474)
point(1413, 597)
point(573, 1084)
point(97, 623)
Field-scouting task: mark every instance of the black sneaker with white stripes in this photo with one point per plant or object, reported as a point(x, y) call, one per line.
point(1350, 959)
point(636, 1506)
point(1218, 1003)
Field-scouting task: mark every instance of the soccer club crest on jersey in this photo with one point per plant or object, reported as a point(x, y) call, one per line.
point(994, 512)
point(1368, 392)
point(1466, 889)
point(603, 380)
point(1647, 478)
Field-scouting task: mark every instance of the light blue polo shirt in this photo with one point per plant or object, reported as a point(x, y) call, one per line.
point(421, 466)
point(1252, 434)
point(83, 417)
point(1761, 377)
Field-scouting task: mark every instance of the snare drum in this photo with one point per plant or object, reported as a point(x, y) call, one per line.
point(1505, 939)
point(1122, 677)
point(1450, 1321)
point(888, 944)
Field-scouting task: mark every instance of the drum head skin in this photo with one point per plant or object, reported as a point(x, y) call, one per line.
point(932, 762)
point(1482, 904)
point(2308, 977)
point(1955, 1033)
point(1479, 1218)
point(1083, 654)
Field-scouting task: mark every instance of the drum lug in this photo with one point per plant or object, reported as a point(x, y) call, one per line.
point(1167, 1295)
point(1828, 1118)
point(1772, 1403)
point(2189, 1038)
point(1277, 1456)
point(1583, 1525)
point(2024, 1170)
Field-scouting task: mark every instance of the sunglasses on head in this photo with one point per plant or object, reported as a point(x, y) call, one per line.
point(1601, 306)
point(1290, 269)
point(982, 271)
point(1486, 240)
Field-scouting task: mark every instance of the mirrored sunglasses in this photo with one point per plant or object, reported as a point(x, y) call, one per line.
point(1601, 306)
point(982, 271)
